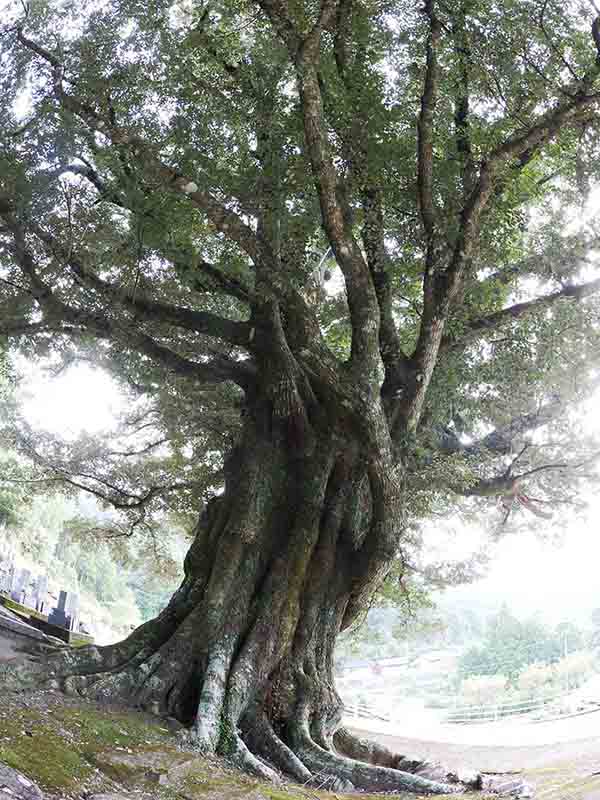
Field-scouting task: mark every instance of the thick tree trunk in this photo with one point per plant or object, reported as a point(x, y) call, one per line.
point(243, 653)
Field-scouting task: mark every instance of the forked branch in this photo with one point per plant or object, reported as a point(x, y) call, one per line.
point(494, 321)
point(362, 300)
point(127, 334)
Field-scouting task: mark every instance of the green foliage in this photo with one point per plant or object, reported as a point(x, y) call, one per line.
point(511, 645)
point(151, 592)
point(208, 93)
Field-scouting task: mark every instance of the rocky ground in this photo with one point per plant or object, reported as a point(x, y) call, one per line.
point(52, 747)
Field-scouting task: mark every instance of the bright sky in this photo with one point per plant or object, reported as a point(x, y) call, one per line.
point(558, 580)
point(81, 399)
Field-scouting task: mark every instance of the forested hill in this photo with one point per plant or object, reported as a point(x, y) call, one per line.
point(54, 533)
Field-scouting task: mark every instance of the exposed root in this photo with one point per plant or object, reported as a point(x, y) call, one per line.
point(350, 763)
point(206, 730)
point(365, 776)
point(376, 754)
point(332, 783)
point(262, 739)
point(241, 756)
point(204, 735)
point(27, 672)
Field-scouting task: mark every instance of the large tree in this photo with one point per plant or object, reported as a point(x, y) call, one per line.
point(334, 245)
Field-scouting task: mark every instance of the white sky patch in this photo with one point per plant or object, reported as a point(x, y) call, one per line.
point(23, 105)
point(81, 399)
point(556, 580)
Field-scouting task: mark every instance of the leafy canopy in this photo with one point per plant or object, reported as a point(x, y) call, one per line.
point(207, 199)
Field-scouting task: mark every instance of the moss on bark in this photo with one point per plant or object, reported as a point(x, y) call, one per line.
point(243, 653)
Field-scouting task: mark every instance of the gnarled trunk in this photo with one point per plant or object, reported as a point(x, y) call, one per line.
point(243, 653)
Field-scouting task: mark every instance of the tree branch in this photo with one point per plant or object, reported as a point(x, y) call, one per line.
point(154, 311)
point(305, 326)
point(525, 144)
point(507, 483)
point(373, 236)
point(230, 285)
point(425, 126)
point(435, 306)
point(362, 300)
point(129, 335)
point(438, 298)
point(462, 101)
point(306, 339)
point(478, 326)
point(16, 329)
point(342, 33)
point(365, 172)
point(500, 440)
point(225, 221)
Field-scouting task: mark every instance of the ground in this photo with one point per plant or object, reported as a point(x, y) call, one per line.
point(74, 748)
point(560, 771)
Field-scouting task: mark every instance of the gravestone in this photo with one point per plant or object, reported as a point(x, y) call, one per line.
point(72, 609)
point(19, 585)
point(7, 570)
point(41, 593)
point(30, 593)
point(11, 576)
point(58, 615)
point(14, 588)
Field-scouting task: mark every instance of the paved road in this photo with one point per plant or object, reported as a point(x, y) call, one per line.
point(513, 733)
point(558, 771)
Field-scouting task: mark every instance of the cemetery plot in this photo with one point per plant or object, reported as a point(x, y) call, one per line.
point(28, 597)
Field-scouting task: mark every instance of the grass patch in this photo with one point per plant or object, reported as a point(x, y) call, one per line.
point(100, 729)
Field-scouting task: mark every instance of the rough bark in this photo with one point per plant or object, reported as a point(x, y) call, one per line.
point(243, 653)
point(312, 510)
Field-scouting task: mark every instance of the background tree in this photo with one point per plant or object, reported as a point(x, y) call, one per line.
point(180, 229)
point(13, 497)
point(511, 644)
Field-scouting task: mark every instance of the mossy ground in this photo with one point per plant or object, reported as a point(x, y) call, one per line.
point(73, 747)
point(56, 746)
